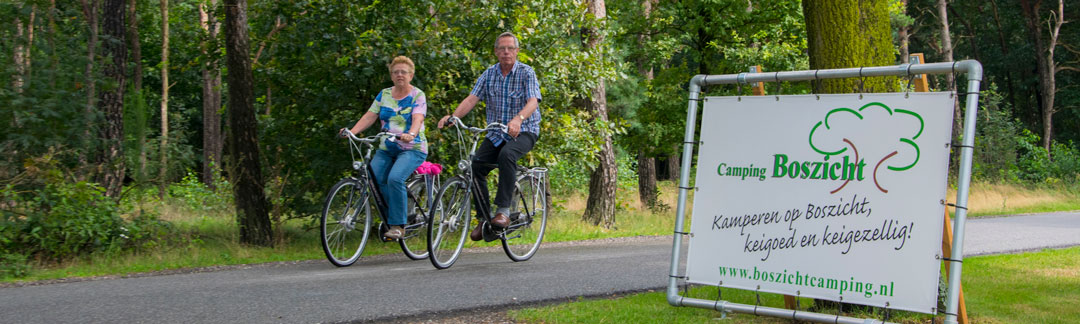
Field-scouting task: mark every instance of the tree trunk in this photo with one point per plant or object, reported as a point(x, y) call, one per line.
point(137, 75)
point(29, 43)
point(1005, 52)
point(1048, 68)
point(647, 191)
point(211, 92)
point(112, 99)
point(90, 12)
point(947, 56)
point(251, 202)
point(1045, 60)
point(674, 164)
point(20, 61)
point(136, 48)
point(647, 180)
point(600, 207)
point(54, 61)
point(904, 37)
point(163, 167)
point(847, 34)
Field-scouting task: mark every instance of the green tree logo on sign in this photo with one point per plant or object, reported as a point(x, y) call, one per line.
point(831, 148)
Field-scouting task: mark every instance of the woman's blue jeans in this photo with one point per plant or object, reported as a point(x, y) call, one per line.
point(392, 167)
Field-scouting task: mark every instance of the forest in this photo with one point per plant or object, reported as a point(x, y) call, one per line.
point(110, 104)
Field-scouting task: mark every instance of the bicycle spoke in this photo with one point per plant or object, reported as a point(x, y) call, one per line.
point(528, 219)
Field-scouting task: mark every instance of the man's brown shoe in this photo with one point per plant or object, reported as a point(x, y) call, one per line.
point(500, 220)
point(477, 233)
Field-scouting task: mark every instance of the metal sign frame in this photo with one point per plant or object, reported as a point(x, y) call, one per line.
point(974, 72)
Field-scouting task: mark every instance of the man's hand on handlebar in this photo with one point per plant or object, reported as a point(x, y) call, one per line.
point(442, 122)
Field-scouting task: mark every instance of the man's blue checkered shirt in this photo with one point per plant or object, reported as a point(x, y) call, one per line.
point(506, 96)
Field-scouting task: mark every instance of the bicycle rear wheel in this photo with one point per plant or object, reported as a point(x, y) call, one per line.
point(528, 219)
point(346, 222)
point(450, 223)
point(414, 242)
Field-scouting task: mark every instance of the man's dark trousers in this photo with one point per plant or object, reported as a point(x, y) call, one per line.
point(505, 156)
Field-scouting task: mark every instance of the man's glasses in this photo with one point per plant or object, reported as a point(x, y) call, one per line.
point(505, 48)
point(400, 72)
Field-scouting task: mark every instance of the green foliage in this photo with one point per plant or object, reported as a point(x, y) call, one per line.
point(333, 58)
point(1005, 151)
point(135, 128)
point(996, 139)
point(197, 198)
point(1035, 165)
point(680, 39)
point(997, 35)
point(48, 215)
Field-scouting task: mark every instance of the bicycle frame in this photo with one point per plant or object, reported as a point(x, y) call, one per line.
point(364, 165)
point(465, 164)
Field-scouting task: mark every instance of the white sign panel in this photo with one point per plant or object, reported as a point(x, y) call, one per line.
point(831, 198)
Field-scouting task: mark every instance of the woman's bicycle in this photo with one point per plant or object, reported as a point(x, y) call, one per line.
point(346, 222)
point(450, 213)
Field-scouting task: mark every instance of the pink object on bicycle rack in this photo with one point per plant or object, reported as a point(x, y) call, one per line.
point(429, 168)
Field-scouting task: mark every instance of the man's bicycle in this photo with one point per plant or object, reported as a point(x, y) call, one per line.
point(346, 222)
point(450, 213)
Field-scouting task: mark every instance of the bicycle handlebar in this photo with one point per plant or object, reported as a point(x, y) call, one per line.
point(490, 126)
point(369, 139)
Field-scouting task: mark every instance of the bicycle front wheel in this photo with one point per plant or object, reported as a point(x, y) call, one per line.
point(528, 219)
point(414, 242)
point(346, 222)
point(449, 224)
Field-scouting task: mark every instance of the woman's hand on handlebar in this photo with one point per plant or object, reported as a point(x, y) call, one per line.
point(341, 132)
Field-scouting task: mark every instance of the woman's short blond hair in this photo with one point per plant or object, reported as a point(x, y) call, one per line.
point(401, 60)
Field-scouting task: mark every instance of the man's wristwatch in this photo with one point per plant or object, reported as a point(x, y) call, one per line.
point(522, 117)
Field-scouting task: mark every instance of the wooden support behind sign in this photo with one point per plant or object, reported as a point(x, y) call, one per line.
point(946, 250)
point(919, 80)
point(758, 89)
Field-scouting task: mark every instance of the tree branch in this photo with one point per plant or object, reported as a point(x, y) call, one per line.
point(278, 25)
point(1066, 68)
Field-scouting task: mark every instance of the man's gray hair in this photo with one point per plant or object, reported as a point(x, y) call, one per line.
point(507, 34)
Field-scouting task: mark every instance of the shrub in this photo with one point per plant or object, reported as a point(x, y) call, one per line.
point(46, 215)
point(196, 196)
point(995, 141)
point(1035, 165)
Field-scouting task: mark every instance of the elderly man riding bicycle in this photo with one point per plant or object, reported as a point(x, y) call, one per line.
point(512, 93)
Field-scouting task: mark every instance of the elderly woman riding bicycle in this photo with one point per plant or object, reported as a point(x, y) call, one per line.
point(400, 110)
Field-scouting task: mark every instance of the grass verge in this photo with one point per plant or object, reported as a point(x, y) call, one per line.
point(1034, 287)
point(209, 236)
point(988, 199)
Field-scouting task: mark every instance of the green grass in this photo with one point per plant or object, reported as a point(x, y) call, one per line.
point(208, 237)
point(1035, 287)
point(990, 199)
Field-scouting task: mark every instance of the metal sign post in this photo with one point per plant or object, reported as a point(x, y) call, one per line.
point(973, 71)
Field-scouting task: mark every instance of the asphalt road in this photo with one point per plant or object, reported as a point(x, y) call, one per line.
point(391, 287)
point(1021, 233)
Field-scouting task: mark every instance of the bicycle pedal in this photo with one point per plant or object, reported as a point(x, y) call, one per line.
point(490, 233)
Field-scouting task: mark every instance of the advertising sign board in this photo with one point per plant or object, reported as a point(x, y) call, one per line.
point(836, 197)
